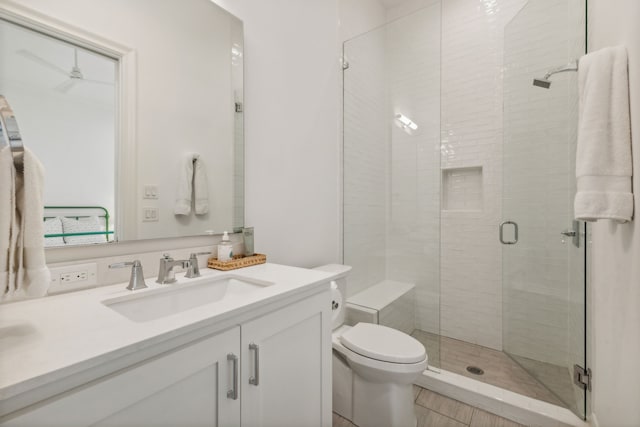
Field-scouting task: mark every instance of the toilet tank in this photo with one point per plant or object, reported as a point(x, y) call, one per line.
point(340, 271)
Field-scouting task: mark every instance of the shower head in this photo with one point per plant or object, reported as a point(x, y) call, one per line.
point(546, 83)
point(543, 83)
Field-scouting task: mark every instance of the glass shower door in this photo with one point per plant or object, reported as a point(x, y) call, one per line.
point(391, 170)
point(543, 249)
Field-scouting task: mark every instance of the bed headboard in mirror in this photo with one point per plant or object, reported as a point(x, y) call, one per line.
point(132, 106)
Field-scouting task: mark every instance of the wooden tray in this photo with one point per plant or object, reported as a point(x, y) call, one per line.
point(239, 261)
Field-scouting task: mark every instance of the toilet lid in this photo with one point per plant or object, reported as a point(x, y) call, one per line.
point(382, 343)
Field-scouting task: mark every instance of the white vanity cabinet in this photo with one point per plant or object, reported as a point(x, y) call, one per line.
point(184, 387)
point(286, 367)
point(272, 369)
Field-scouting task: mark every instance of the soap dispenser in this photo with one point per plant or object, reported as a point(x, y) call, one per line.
point(225, 248)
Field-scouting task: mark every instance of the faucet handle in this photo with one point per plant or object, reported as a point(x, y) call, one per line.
point(194, 269)
point(136, 281)
point(195, 254)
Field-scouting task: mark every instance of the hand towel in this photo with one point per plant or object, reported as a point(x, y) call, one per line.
point(603, 158)
point(32, 277)
point(192, 181)
point(200, 187)
point(8, 225)
point(185, 187)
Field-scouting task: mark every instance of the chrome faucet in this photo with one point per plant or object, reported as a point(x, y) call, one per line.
point(194, 269)
point(165, 273)
point(137, 276)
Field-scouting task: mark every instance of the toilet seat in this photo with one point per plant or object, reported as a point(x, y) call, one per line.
point(382, 343)
point(374, 368)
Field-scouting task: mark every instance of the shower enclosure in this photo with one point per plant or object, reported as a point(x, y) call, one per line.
point(459, 180)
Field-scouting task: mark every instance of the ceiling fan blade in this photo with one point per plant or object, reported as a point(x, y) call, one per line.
point(100, 82)
point(35, 58)
point(67, 85)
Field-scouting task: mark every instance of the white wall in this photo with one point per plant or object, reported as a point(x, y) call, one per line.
point(360, 16)
point(615, 284)
point(407, 7)
point(292, 72)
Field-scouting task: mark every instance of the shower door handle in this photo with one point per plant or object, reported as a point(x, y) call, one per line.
point(515, 236)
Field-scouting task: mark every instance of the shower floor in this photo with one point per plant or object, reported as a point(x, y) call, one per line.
point(499, 369)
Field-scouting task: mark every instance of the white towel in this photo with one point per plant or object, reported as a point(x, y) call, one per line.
point(192, 180)
point(200, 187)
point(31, 277)
point(603, 159)
point(8, 225)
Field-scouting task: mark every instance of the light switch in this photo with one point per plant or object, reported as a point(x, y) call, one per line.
point(150, 214)
point(150, 192)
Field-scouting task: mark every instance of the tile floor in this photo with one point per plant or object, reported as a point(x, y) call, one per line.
point(435, 410)
point(499, 369)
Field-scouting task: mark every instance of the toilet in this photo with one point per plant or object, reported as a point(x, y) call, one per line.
point(373, 366)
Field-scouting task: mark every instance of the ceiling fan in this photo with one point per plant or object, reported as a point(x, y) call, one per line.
point(74, 76)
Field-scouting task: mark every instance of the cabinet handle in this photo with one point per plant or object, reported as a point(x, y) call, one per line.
point(233, 393)
point(255, 380)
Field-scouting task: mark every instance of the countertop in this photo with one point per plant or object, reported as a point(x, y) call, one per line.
point(47, 339)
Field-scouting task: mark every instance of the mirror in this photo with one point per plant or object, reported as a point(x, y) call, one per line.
point(134, 107)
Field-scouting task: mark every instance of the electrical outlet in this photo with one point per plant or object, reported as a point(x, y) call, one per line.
point(72, 277)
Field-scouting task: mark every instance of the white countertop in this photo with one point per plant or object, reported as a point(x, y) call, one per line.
point(43, 340)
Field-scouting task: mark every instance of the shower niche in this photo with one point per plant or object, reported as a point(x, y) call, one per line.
point(462, 189)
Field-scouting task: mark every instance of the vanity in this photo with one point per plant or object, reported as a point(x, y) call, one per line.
point(244, 348)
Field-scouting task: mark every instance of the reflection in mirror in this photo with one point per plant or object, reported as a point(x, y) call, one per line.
point(64, 98)
point(118, 136)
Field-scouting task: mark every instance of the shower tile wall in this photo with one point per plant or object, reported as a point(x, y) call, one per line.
point(366, 151)
point(472, 46)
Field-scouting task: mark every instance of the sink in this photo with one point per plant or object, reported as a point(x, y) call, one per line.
point(171, 299)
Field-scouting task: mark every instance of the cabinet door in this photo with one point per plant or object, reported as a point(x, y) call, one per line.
point(185, 387)
point(286, 366)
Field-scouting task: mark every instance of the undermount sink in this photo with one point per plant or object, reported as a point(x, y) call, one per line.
point(172, 299)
